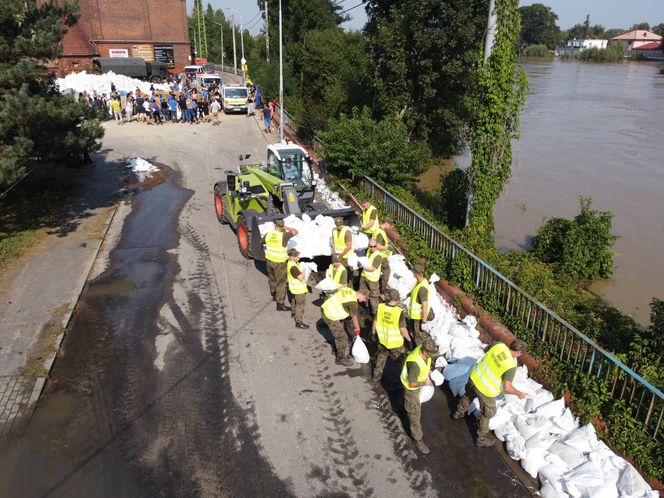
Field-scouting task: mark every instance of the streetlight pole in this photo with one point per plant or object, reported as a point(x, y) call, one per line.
point(221, 30)
point(281, 78)
point(234, 50)
point(241, 40)
point(267, 35)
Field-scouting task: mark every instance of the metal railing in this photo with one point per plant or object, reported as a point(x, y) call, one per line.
point(563, 339)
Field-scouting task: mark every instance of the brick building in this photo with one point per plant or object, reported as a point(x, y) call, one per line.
point(156, 30)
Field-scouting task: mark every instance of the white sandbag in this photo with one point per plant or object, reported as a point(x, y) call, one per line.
point(549, 491)
point(308, 268)
point(426, 393)
point(359, 351)
point(540, 440)
point(533, 460)
point(556, 461)
point(505, 430)
point(352, 260)
point(538, 399)
point(364, 261)
point(582, 439)
point(553, 474)
point(360, 241)
point(631, 484)
point(565, 423)
point(570, 456)
point(441, 362)
point(553, 408)
point(583, 479)
point(326, 285)
point(500, 418)
point(516, 446)
point(530, 425)
point(437, 377)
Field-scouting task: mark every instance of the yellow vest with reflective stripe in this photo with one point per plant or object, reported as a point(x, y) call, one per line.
point(425, 367)
point(415, 307)
point(379, 231)
point(487, 374)
point(374, 275)
point(339, 241)
point(295, 285)
point(387, 326)
point(274, 248)
point(366, 218)
point(333, 307)
point(335, 274)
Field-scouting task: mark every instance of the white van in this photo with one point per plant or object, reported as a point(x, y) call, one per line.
point(206, 79)
point(235, 99)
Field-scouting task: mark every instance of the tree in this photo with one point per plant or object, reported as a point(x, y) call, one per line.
point(37, 124)
point(613, 32)
point(498, 100)
point(355, 145)
point(642, 26)
point(424, 66)
point(538, 26)
point(581, 31)
point(658, 29)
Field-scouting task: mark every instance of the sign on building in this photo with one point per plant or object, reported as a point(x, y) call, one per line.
point(164, 53)
point(118, 52)
point(144, 51)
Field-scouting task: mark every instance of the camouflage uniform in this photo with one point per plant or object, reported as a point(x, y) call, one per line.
point(276, 276)
point(411, 401)
point(487, 408)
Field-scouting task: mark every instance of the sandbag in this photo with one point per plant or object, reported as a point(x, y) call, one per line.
point(553, 408)
point(570, 456)
point(582, 439)
point(538, 399)
point(516, 446)
point(426, 393)
point(533, 460)
point(359, 351)
point(504, 431)
point(631, 484)
point(549, 491)
point(501, 417)
point(553, 474)
point(437, 377)
point(583, 479)
point(540, 440)
point(326, 285)
point(565, 423)
point(454, 370)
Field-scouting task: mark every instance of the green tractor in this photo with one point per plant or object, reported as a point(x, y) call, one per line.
point(258, 193)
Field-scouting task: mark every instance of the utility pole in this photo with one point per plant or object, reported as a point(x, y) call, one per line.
point(267, 35)
point(234, 50)
point(489, 40)
point(281, 78)
point(221, 42)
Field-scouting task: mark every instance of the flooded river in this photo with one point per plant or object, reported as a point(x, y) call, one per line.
point(595, 130)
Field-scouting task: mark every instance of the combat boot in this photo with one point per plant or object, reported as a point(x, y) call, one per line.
point(485, 441)
point(346, 362)
point(421, 447)
point(301, 325)
point(283, 307)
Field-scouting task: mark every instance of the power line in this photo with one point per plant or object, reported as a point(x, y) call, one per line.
point(353, 7)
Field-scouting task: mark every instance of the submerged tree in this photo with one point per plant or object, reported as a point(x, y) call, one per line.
point(37, 124)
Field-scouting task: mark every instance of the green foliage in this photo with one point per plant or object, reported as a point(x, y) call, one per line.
point(538, 26)
point(536, 51)
point(37, 124)
point(658, 29)
point(355, 145)
point(645, 26)
point(424, 58)
point(613, 32)
point(580, 248)
point(500, 96)
point(581, 31)
point(452, 197)
point(613, 53)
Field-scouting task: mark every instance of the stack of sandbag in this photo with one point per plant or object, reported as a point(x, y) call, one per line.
point(101, 83)
point(330, 198)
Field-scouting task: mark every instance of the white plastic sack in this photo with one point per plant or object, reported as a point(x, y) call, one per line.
point(326, 285)
point(504, 431)
point(426, 393)
point(582, 439)
point(583, 479)
point(441, 362)
point(553, 408)
point(436, 377)
point(540, 440)
point(359, 351)
point(538, 399)
point(570, 456)
point(549, 491)
point(516, 446)
point(533, 460)
point(631, 484)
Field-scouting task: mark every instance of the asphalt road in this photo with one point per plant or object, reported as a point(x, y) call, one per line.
point(179, 378)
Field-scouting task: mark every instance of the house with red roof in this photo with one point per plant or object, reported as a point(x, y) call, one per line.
point(639, 41)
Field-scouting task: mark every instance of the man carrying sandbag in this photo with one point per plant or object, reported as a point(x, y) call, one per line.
point(297, 287)
point(276, 255)
point(390, 326)
point(370, 277)
point(338, 272)
point(369, 217)
point(383, 246)
point(335, 310)
point(342, 241)
point(415, 374)
point(491, 376)
point(419, 310)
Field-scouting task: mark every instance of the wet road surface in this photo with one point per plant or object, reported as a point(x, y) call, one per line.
point(178, 377)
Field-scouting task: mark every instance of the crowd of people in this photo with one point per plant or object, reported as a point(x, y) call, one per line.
point(401, 332)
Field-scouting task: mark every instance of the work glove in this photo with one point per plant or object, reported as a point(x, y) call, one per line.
point(357, 332)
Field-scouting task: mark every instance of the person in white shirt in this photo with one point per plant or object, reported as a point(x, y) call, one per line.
point(215, 109)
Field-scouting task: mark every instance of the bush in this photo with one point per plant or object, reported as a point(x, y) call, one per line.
point(612, 53)
point(356, 145)
point(580, 248)
point(536, 51)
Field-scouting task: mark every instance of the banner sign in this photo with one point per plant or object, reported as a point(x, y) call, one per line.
point(164, 53)
point(118, 52)
point(144, 51)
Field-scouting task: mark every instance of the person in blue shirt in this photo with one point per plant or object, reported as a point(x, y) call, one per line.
point(173, 106)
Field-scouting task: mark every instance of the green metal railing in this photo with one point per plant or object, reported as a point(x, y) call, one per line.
point(565, 340)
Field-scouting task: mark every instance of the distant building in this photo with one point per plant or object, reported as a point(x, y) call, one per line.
point(583, 44)
point(638, 41)
point(156, 30)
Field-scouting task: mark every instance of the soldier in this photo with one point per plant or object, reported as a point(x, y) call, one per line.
point(415, 374)
point(275, 244)
point(297, 287)
point(491, 376)
point(369, 217)
point(370, 277)
point(419, 310)
point(342, 241)
point(335, 310)
point(390, 326)
point(383, 245)
point(338, 272)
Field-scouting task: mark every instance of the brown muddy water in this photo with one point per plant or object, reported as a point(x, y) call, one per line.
point(594, 130)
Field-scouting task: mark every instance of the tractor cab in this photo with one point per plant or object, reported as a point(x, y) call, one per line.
point(291, 164)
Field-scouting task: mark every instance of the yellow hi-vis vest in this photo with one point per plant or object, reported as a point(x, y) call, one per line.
point(372, 276)
point(339, 241)
point(333, 307)
point(335, 274)
point(387, 326)
point(379, 231)
point(425, 367)
point(366, 218)
point(295, 285)
point(274, 247)
point(415, 307)
point(487, 374)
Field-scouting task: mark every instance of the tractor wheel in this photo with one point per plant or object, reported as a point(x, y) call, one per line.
point(219, 203)
point(243, 236)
